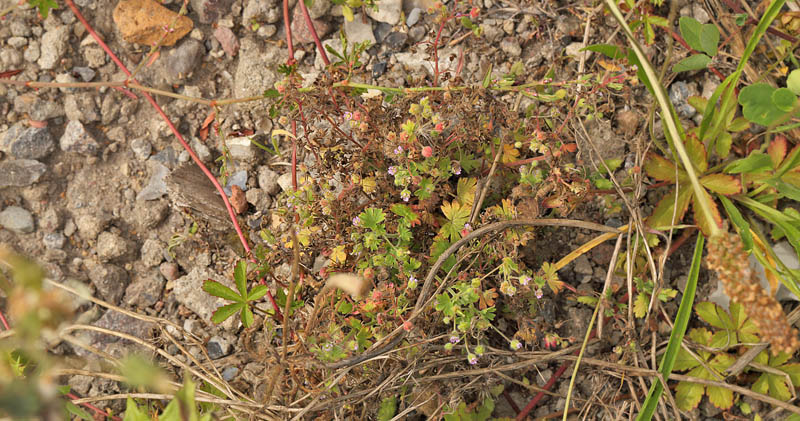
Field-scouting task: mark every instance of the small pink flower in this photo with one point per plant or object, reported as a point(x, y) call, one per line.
point(408, 326)
point(439, 127)
point(474, 12)
point(427, 151)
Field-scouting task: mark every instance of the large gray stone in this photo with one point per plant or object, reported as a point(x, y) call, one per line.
point(17, 219)
point(109, 280)
point(254, 72)
point(359, 31)
point(180, 62)
point(27, 142)
point(388, 11)
point(189, 292)
point(20, 172)
point(54, 45)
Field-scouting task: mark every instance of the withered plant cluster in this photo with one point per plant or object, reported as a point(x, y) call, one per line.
point(727, 257)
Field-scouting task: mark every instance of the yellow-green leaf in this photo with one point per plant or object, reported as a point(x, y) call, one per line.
point(722, 184)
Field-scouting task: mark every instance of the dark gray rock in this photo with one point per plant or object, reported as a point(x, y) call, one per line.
point(145, 291)
point(86, 74)
point(679, 93)
point(180, 62)
point(156, 186)
point(268, 180)
point(395, 40)
point(218, 347)
point(109, 280)
point(378, 69)
point(118, 322)
point(229, 373)
point(76, 139)
point(27, 142)
point(17, 219)
point(20, 172)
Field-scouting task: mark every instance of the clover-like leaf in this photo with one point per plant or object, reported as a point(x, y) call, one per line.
point(757, 104)
point(693, 62)
point(660, 168)
point(784, 99)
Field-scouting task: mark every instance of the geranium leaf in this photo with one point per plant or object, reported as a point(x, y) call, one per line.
point(218, 290)
point(722, 184)
point(222, 313)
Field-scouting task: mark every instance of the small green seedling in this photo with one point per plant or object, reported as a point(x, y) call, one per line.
point(241, 300)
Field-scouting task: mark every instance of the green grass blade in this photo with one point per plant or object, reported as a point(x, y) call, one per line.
point(675, 338)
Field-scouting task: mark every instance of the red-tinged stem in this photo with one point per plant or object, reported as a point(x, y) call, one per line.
point(180, 138)
point(510, 401)
point(436, 52)
point(97, 410)
point(313, 32)
point(287, 24)
point(294, 152)
point(525, 411)
point(4, 322)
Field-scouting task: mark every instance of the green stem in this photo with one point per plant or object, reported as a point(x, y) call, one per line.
point(674, 131)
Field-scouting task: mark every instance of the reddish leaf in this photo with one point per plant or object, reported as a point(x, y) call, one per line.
point(663, 213)
point(203, 133)
point(777, 150)
point(8, 74)
point(569, 147)
point(660, 168)
point(697, 153)
point(722, 184)
point(700, 219)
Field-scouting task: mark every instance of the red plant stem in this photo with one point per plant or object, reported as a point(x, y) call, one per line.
point(510, 401)
point(294, 152)
point(436, 52)
point(180, 138)
point(3, 320)
point(313, 32)
point(525, 411)
point(287, 24)
point(97, 410)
